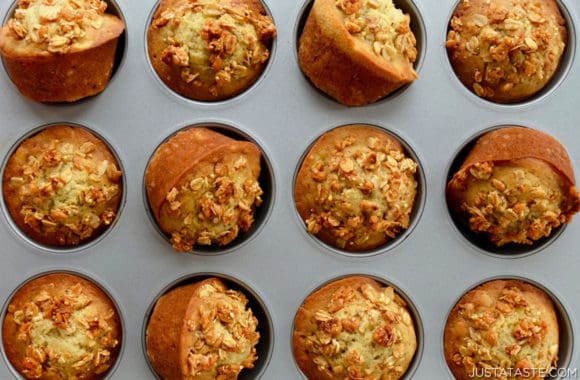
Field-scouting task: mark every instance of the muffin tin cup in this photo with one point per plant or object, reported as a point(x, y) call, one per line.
point(565, 323)
point(110, 373)
point(417, 26)
point(120, 53)
point(566, 64)
point(411, 307)
point(415, 214)
point(255, 303)
point(87, 245)
point(480, 241)
point(266, 180)
point(224, 102)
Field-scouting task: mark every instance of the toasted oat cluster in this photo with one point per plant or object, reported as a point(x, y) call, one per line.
point(356, 188)
point(354, 328)
point(210, 49)
point(382, 27)
point(507, 326)
point(216, 333)
point(506, 51)
point(515, 186)
point(56, 25)
point(62, 186)
point(203, 188)
point(61, 326)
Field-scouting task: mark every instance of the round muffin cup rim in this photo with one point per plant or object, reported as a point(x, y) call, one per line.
point(469, 237)
point(557, 80)
point(304, 11)
point(561, 309)
point(81, 273)
point(81, 248)
point(412, 308)
point(242, 285)
point(118, 63)
point(210, 103)
point(418, 207)
point(240, 135)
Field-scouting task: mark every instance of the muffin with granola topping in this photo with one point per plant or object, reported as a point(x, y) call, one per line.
point(61, 326)
point(210, 50)
point(502, 329)
point(200, 331)
point(357, 51)
point(60, 50)
point(356, 188)
point(203, 188)
point(506, 51)
point(354, 328)
point(515, 186)
point(62, 186)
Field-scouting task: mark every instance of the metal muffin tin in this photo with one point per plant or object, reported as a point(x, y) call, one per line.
point(280, 264)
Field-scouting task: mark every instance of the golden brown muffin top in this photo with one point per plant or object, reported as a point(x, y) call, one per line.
point(354, 328)
point(383, 28)
point(508, 327)
point(356, 188)
point(61, 26)
point(212, 43)
point(62, 185)
point(506, 50)
point(61, 326)
point(213, 194)
point(221, 332)
point(516, 185)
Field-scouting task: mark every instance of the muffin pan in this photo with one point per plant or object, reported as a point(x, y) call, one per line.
point(280, 264)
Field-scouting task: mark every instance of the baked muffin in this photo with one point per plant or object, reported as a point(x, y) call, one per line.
point(202, 331)
point(210, 50)
point(356, 188)
point(60, 50)
point(515, 186)
point(62, 186)
point(203, 188)
point(61, 326)
point(357, 51)
point(506, 50)
point(354, 328)
point(502, 327)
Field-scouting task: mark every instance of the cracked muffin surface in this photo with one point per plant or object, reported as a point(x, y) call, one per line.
point(515, 186)
point(60, 50)
point(356, 188)
point(203, 188)
point(505, 50)
point(202, 331)
point(61, 326)
point(62, 186)
point(354, 328)
point(504, 329)
point(210, 49)
point(357, 51)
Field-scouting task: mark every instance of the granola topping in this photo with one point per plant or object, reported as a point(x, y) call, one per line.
point(212, 42)
point(214, 208)
point(517, 47)
point(363, 188)
point(67, 190)
point(355, 321)
point(223, 341)
point(381, 26)
point(65, 333)
point(56, 26)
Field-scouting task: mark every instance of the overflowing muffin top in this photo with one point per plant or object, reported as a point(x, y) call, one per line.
point(382, 27)
point(59, 26)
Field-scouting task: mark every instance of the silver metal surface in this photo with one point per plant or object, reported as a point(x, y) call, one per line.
point(281, 263)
